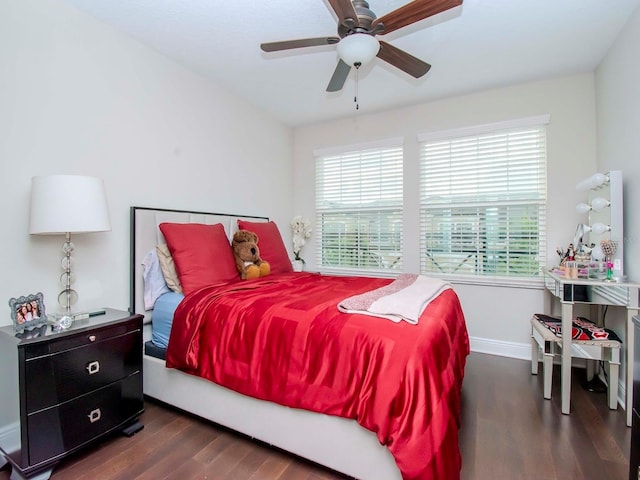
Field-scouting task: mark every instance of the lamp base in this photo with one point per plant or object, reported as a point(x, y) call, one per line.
point(68, 296)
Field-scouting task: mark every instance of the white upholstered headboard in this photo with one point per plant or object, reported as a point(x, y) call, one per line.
point(145, 235)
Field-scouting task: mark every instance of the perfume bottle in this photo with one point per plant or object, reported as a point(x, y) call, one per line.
point(609, 269)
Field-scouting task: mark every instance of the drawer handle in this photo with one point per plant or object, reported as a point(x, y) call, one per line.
point(92, 338)
point(95, 415)
point(93, 367)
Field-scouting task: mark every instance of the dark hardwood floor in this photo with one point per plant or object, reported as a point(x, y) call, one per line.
point(508, 432)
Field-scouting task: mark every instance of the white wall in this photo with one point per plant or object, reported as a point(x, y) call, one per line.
point(618, 129)
point(618, 133)
point(78, 97)
point(495, 313)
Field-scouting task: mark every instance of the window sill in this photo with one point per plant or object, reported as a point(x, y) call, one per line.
point(502, 282)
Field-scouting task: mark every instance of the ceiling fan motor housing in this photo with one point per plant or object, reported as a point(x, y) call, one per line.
point(365, 18)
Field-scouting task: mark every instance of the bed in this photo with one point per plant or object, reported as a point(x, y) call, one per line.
point(411, 422)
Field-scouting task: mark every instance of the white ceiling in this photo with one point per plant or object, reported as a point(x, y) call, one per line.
point(483, 44)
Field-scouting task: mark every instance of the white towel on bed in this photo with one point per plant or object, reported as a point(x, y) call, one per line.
point(403, 299)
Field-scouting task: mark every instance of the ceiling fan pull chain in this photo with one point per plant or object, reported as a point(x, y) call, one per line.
point(355, 98)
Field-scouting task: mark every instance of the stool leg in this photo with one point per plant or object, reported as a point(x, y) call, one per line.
point(547, 371)
point(613, 354)
point(534, 356)
point(614, 370)
point(591, 369)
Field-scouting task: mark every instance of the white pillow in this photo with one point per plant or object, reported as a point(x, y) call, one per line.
point(168, 268)
point(153, 279)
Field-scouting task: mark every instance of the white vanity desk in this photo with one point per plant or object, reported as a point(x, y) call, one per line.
point(599, 293)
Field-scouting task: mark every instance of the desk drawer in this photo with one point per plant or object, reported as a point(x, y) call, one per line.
point(63, 428)
point(63, 376)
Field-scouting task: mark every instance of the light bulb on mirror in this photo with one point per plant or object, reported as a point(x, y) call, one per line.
point(597, 179)
point(599, 203)
point(600, 228)
point(593, 182)
point(584, 185)
point(597, 253)
point(582, 208)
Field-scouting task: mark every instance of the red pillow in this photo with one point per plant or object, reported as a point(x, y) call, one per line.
point(271, 246)
point(202, 254)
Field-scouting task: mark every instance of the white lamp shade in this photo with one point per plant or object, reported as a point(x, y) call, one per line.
point(68, 204)
point(358, 48)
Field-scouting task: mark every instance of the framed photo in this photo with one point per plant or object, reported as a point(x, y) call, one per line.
point(28, 311)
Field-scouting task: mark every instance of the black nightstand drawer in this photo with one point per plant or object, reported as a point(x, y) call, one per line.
point(68, 340)
point(63, 428)
point(60, 377)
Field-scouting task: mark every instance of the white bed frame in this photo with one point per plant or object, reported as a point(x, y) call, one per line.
point(334, 442)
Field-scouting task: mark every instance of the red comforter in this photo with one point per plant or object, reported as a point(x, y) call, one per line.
point(281, 338)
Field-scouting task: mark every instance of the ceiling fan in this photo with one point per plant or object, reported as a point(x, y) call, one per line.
point(357, 29)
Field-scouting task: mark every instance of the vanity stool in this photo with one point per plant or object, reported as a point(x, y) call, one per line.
point(545, 341)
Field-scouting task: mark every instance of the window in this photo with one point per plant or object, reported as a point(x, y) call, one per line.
point(483, 200)
point(359, 208)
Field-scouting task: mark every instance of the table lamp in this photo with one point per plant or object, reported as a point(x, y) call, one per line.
point(66, 204)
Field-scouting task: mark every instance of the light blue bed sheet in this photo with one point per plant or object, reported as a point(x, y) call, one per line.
point(162, 317)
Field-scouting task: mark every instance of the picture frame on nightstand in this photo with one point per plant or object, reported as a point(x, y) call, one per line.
point(28, 311)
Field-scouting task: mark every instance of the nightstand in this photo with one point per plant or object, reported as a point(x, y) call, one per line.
point(63, 390)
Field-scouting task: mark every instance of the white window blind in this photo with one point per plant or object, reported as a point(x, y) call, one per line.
point(483, 202)
point(359, 210)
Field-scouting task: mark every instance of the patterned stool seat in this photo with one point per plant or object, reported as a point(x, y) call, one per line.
point(546, 336)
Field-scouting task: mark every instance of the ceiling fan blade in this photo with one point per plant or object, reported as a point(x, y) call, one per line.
point(339, 77)
point(303, 42)
point(413, 12)
point(402, 60)
point(345, 12)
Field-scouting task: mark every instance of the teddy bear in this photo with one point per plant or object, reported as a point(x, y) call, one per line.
point(247, 255)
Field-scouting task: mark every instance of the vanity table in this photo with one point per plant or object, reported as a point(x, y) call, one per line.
point(592, 292)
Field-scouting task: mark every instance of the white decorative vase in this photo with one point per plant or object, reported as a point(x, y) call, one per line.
point(298, 265)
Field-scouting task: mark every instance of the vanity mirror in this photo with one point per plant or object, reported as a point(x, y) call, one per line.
point(604, 219)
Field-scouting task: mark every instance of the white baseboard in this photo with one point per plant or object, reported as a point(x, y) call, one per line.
point(501, 348)
point(521, 351)
point(10, 437)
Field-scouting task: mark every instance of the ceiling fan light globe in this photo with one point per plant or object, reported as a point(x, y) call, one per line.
point(358, 48)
